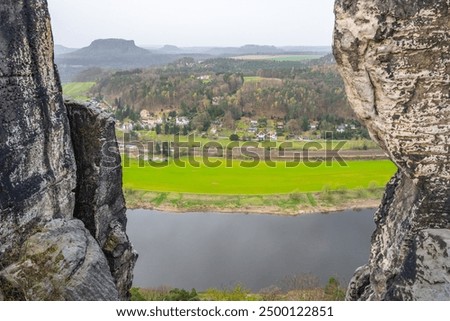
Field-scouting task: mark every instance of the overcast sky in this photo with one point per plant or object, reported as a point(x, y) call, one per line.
point(76, 23)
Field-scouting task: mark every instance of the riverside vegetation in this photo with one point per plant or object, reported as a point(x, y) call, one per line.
point(294, 288)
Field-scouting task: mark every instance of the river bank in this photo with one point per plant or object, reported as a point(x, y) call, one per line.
point(276, 204)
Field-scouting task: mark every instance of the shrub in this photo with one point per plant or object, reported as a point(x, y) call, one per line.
point(163, 294)
point(182, 295)
point(311, 199)
point(373, 187)
point(136, 295)
point(326, 194)
point(299, 282)
point(333, 290)
point(238, 293)
point(297, 197)
point(272, 293)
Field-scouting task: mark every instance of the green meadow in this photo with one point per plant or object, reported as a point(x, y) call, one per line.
point(78, 90)
point(257, 79)
point(296, 58)
point(279, 58)
point(235, 177)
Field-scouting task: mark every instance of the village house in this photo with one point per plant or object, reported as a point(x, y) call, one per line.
point(152, 122)
point(182, 121)
point(148, 119)
point(341, 128)
point(314, 125)
point(273, 136)
point(204, 77)
point(261, 136)
point(127, 127)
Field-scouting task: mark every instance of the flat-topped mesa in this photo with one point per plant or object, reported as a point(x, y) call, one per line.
point(394, 57)
point(45, 252)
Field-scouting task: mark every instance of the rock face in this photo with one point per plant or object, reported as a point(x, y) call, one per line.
point(55, 242)
point(99, 198)
point(394, 57)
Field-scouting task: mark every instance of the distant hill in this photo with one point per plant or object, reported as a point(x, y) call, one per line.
point(245, 50)
point(318, 49)
point(108, 53)
point(119, 54)
point(248, 50)
point(60, 50)
point(116, 53)
point(326, 60)
point(170, 49)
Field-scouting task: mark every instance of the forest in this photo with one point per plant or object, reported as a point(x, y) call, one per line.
point(223, 90)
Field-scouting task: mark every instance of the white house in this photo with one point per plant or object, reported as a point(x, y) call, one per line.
point(340, 128)
point(151, 122)
point(204, 77)
point(261, 136)
point(127, 127)
point(182, 121)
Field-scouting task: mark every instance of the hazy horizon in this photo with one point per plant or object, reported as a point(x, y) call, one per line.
point(159, 46)
point(194, 23)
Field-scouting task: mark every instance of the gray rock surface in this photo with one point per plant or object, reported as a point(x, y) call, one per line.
point(394, 57)
point(100, 203)
point(61, 261)
point(37, 175)
point(45, 252)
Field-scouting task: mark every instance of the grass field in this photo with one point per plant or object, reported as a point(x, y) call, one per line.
point(296, 58)
point(252, 79)
point(78, 90)
point(279, 57)
point(256, 79)
point(259, 180)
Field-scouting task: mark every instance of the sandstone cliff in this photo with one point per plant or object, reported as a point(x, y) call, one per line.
point(62, 212)
point(394, 57)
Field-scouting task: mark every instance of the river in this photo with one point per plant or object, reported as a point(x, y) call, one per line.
point(204, 250)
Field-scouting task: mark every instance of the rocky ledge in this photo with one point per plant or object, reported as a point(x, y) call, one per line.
point(62, 211)
point(394, 58)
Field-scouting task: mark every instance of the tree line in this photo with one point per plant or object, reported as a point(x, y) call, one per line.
point(226, 90)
